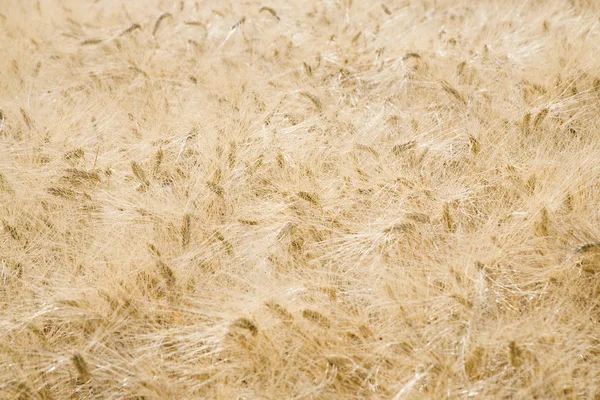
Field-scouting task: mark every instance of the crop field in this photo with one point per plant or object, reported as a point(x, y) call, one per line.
point(299, 199)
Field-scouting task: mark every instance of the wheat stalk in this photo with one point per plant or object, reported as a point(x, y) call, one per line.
point(316, 318)
point(140, 174)
point(159, 20)
point(81, 367)
point(186, 229)
point(245, 323)
point(270, 11)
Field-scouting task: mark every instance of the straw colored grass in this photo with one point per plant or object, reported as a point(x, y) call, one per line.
point(299, 199)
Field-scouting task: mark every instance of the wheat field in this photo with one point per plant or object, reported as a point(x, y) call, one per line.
point(320, 199)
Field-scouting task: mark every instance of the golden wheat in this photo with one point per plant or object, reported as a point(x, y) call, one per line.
point(311, 200)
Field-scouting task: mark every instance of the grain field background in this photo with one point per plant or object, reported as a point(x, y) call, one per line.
point(311, 199)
